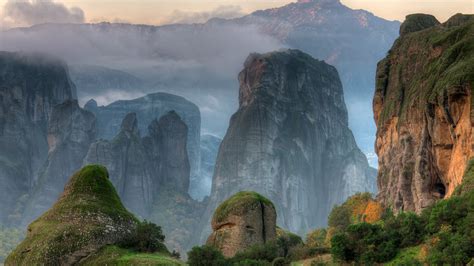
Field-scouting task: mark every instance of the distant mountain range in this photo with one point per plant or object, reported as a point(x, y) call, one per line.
point(200, 61)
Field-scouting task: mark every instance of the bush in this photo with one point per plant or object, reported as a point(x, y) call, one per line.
point(316, 238)
point(266, 252)
point(451, 249)
point(147, 237)
point(340, 217)
point(287, 241)
point(250, 262)
point(341, 249)
point(206, 256)
point(281, 262)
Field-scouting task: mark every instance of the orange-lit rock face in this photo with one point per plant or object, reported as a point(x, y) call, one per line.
point(422, 107)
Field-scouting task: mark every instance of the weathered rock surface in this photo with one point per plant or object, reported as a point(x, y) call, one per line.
point(209, 148)
point(70, 132)
point(30, 86)
point(88, 216)
point(243, 220)
point(166, 146)
point(290, 141)
point(141, 167)
point(147, 109)
point(127, 160)
point(423, 111)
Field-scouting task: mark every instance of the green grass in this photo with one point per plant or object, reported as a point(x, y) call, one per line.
point(239, 203)
point(467, 181)
point(412, 86)
point(82, 216)
point(408, 256)
point(113, 255)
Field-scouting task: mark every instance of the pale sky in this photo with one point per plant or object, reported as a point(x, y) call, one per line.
point(161, 11)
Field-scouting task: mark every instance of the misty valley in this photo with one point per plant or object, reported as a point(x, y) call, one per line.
point(306, 134)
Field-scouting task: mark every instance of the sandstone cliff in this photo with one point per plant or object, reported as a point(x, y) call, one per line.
point(70, 132)
point(147, 109)
point(290, 141)
point(31, 85)
point(243, 220)
point(423, 111)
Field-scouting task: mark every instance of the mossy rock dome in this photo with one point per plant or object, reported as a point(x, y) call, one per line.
point(239, 203)
point(417, 22)
point(87, 216)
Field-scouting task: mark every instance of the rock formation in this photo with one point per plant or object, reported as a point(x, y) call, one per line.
point(127, 160)
point(166, 145)
point(31, 85)
point(290, 141)
point(70, 132)
point(209, 148)
point(243, 220)
point(147, 109)
point(88, 216)
point(141, 167)
point(423, 111)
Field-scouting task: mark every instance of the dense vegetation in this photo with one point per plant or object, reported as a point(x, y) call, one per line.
point(90, 214)
point(442, 234)
point(361, 231)
point(9, 239)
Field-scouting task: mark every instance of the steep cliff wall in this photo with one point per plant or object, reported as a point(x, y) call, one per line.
point(70, 132)
point(127, 160)
point(290, 141)
point(147, 109)
point(423, 110)
point(30, 86)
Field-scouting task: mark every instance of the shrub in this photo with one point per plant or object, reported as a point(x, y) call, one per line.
point(286, 241)
point(340, 217)
point(451, 249)
point(316, 238)
point(250, 262)
point(206, 256)
point(281, 262)
point(147, 237)
point(341, 249)
point(266, 252)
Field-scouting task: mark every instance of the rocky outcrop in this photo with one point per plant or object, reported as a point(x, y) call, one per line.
point(243, 220)
point(71, 130)
point(166, 145)
point(30, 86)
point(87, 216)
point(290, 141)
point(209, 148)
point(127, 160)
point(423, 111)
point(147, 109)
point(141, 167)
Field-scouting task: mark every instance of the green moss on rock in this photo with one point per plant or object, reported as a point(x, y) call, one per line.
point(417, 22)
point(113, 255)
point(467, 181)
point(238, 203)
point(426, 66)
point(87, 216)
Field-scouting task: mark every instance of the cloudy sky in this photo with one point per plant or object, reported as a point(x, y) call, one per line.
point(24, 12)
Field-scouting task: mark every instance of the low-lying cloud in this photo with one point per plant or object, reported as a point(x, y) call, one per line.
point(186, 17)
point(31, 12)
point(200, 61)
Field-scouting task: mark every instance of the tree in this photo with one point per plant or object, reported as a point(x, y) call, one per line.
point(206, 256)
